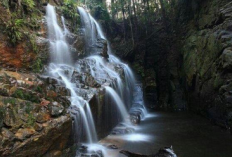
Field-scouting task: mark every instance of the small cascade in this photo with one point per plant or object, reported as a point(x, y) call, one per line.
point(101, 69)
point(135, 98)
point(66, 31)
point(118, 101)
point(59, 49)
point(61, 69)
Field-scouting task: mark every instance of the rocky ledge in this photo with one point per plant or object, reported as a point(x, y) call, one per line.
point(34, 109)
point(33, 115)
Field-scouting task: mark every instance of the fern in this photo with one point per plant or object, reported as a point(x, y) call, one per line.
point(29, 3)
point(13, 30)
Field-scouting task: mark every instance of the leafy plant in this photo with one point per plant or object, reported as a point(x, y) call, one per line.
point(69, 10)
point(13, 30)
point(37, 66)
point(9, 100)
point(28, 107)
point(31, 120)
point(5, 3)
point(29, 3)
point(33, 44)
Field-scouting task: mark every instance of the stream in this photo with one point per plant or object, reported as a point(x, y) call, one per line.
point(189, 134)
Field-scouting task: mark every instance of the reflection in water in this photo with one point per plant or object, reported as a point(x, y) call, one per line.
point(135, 137)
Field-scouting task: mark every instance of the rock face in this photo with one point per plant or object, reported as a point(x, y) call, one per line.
point(206, 62)
point(188, 66)
point(33, 120)
point(23, 44)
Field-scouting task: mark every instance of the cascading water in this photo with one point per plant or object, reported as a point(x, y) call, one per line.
point(59, 49)
point(118, 101)
point(61, 69)
point(93, 33)
point(103, 71)
point(136, 96)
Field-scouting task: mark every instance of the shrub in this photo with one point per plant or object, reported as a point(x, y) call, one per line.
point(13, 30)
point(29, 3)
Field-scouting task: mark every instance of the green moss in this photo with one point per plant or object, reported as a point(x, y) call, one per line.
point(13, 30)
point(69, 10)
point(37, 66)
point(28, 107)
point(29, 4)
point(9, 100)
point(38, 89)
point(139, 69)
point(5, 3)
point(33, 44)
point(218, 82)
point(20, 93)
point(31, 120)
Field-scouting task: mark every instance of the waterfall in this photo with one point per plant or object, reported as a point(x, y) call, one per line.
point(105, 71)
point(62, 69)
point(131, 93)
point(59, 49)
point(120, 105)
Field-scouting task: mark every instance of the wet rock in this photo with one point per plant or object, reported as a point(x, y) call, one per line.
point(121, 131)
point(1, 116)
point(7, 139)
point(38, 127)
point(51, 94)
point(55, 109)
point(112, 146)
point(7, 134)
point(11, 119)
point(135, 118)
point(62, 90)
point(3, 90)
point(22, 134)
point(55, 153)
point(229, 99)
point(163, 152)
point(227, 59)
point(54, 138)
point(43, 116)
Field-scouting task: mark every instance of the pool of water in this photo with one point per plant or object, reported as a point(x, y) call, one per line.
point(189, 134)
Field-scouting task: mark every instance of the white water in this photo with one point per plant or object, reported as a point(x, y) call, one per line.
point(66, 31)
point(59, 49)
point(131, 93)
point(61, 68)
point(119, 103)
point(101, 69)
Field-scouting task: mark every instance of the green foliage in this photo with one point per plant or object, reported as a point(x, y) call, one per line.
point(10, 101)
point(99, 10)
point(13, 30)
point(38, 89)
point(37, 66)
point(28, 107)
point(19, 93)
point(29, 3)
point(31, 119)
point(5, 3)
point(101, 13)
point(33, 44)
point(69, 9)
point(139, 69)
point(25, 95)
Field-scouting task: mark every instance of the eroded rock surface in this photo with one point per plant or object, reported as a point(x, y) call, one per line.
point(33, 121)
